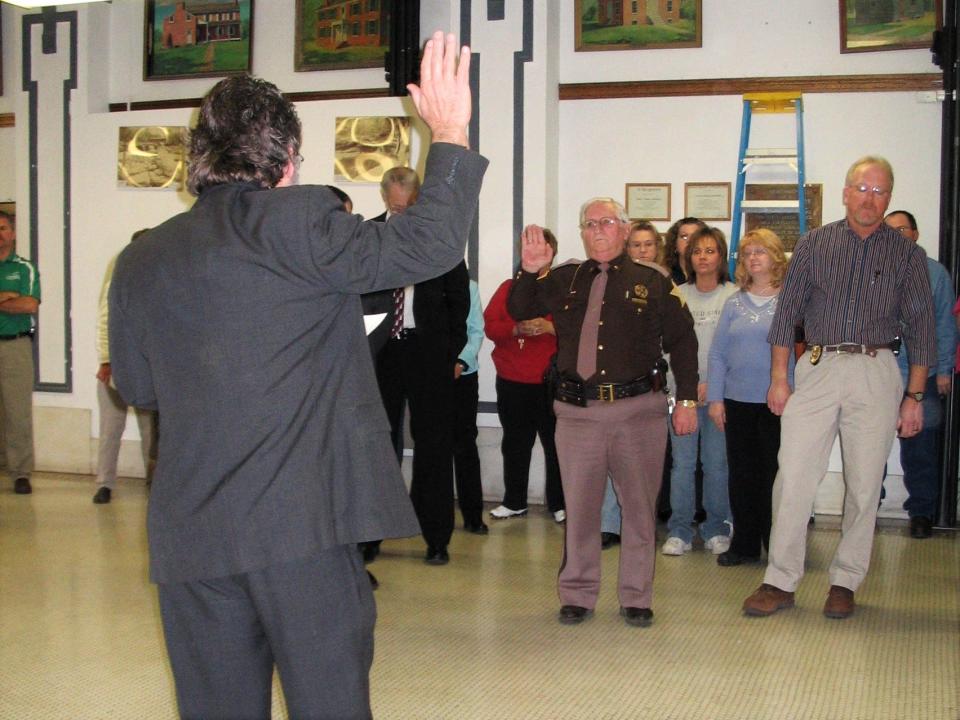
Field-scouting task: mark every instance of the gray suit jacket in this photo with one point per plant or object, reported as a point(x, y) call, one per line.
point(240, 321)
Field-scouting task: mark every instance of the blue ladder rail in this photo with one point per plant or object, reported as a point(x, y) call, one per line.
point(776, 102)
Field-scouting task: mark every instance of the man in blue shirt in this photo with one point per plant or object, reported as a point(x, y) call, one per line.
point(919, 454)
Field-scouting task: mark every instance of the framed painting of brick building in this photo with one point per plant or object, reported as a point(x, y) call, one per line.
point(637, 24)
point(341, 34)
point(197, 38)
point(870, 25)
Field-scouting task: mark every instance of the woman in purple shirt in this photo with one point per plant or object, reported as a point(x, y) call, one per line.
point(739, 375)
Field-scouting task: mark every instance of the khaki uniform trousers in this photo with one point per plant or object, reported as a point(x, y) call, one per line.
point(857, 396)
point(627, 439)
point(16, 401)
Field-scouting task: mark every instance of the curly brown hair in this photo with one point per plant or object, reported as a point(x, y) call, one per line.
point(247, 132)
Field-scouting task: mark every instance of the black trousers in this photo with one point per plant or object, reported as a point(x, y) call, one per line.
point(466, 459)
point(753, 442)
point(526, 411)
point(313, 618)
point(407, 370)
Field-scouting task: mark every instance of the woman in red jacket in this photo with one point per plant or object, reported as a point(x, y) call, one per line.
point(521, 355)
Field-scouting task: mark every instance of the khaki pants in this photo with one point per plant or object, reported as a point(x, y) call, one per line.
point(113, 420)
point(16, 402)
point(857, 396)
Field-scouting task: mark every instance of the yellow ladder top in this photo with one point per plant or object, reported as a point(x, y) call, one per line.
point(774, 102)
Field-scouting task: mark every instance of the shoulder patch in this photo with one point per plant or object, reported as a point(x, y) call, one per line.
point(679, 295)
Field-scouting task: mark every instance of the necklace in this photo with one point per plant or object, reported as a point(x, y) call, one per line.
point(749, 313)
point(764, 291)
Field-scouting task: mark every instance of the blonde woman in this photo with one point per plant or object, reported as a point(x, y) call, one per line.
point(739, 375)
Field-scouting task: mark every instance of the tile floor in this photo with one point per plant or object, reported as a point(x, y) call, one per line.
point(80, 634)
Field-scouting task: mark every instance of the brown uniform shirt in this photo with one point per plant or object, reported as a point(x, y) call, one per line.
point(642, 313)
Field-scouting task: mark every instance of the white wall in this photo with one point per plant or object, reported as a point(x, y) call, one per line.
point(572, 150)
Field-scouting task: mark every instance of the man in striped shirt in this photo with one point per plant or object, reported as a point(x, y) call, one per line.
point(854, 285)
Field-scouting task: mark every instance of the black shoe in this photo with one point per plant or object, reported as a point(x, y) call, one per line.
point(102, 496)
point(477, 528)
point(573, 614)
point(374, 583)
point(731, 558)
point(21, 486)
point(921, 527)
point(436, 556)
point(608, 540)
point(638, 617)
point(370, 550)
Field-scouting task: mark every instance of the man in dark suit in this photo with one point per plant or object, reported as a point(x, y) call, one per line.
point(417, 366)
point(240, 320)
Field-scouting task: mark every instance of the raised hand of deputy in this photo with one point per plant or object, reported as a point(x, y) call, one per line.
point(534, 250)
point(443, 98)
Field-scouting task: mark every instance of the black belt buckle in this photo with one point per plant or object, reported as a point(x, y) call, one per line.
point(605, 392)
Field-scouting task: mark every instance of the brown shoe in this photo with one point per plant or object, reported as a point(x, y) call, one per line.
point(839, 604)
point(766, 600)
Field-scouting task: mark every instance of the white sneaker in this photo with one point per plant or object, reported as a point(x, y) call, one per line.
point(560, 516)
point(676, 546)
point(718, 544)
point(501, 512)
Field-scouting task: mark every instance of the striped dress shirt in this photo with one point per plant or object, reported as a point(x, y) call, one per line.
point(844, 289)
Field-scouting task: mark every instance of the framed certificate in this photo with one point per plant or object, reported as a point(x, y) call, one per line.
point(648, 201)
point(707, 201)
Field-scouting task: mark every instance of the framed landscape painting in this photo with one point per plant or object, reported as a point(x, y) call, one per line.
point(870, 25)
point(196, 38)
point(341, 34)
point(637, 24)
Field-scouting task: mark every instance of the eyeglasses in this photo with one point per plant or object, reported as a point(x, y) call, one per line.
point(863, 188)
point(904, 230)
point(605, 222)
point(751, 251)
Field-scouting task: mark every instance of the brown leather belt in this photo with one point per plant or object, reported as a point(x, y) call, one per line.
point(816, 351)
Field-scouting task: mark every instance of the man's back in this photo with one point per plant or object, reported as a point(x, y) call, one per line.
point(246, 332)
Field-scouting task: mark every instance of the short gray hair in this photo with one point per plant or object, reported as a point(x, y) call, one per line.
point(621, 213)
point(405, 177)
point(866, 161)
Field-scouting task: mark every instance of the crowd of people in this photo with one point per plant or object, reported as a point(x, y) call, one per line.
point(645, 356)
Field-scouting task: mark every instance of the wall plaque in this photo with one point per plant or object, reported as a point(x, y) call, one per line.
point(784, 224)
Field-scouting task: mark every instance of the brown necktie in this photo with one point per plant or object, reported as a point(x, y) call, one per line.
point(590, 330)
point(397, 326)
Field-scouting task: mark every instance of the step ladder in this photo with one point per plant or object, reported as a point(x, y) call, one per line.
point(768, 103)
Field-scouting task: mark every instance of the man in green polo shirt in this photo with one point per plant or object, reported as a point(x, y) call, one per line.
point(19, 300)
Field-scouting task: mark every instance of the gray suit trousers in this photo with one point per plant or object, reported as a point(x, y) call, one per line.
point(313, 618)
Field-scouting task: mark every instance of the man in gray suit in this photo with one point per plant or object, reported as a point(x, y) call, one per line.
point(240, 320)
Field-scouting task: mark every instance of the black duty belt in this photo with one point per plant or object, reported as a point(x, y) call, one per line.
point(576, 393)
point(28, 333)
point(816, 351)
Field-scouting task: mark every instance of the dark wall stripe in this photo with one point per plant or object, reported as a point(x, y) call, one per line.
point(50, 18)
point(495, 9)
point(519, 58)
point(466, 26)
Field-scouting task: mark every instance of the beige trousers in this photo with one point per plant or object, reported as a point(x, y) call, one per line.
point(16, 402)
point(858, 397)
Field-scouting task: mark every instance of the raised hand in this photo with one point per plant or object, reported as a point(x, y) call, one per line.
point(443, 97)
point(534, 250)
